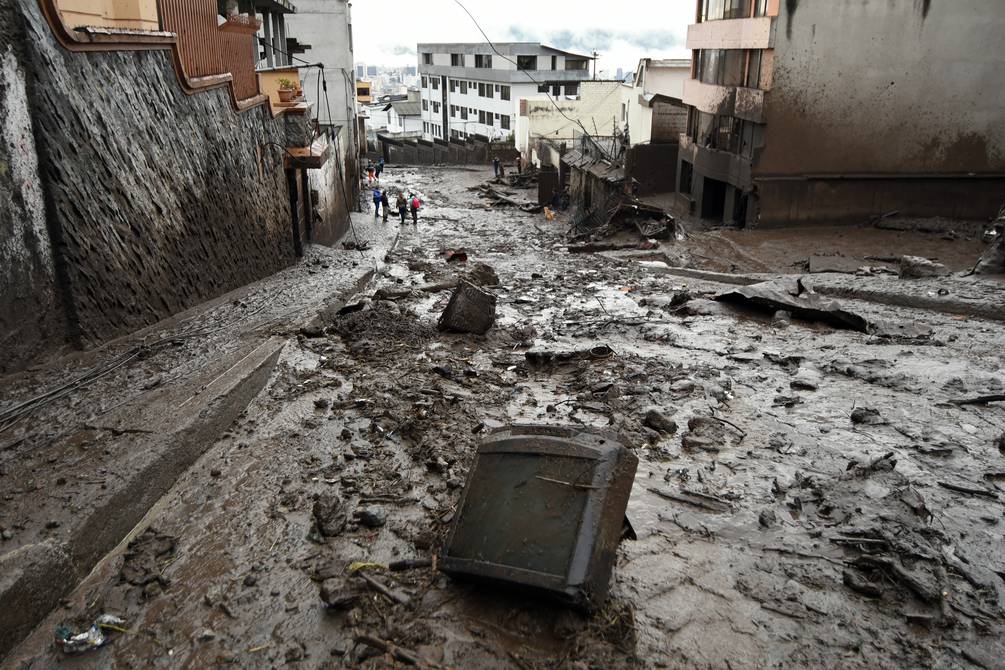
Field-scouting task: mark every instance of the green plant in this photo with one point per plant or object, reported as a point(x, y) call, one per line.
point(286, 84)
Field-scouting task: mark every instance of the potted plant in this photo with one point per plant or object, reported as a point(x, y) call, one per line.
point(287, 90)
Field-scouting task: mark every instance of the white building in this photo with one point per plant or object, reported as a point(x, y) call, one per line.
point(597, 108)
point(656, 81)
point(470, 89)
point(326, 25)
point(404, 117)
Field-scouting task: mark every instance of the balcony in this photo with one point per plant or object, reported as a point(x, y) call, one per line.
point(722, 165)
point(737, 101)
point(754, 33)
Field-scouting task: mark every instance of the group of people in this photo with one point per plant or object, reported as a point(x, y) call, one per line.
point(373, 170)
point(381, 203)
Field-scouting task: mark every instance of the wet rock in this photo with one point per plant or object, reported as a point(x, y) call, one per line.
point(52, 524)
point(250, 581)
point(7, 535)
point(312, 330)
point(806, 380)
point(346, 434)
point(858, 583)
point(349, 454)
point(294, 654)
point(337, 596)
point(329, 514)
point(683, 386)
point(866, 416)
point(704, 307)
point(470, 310)
point(659, 422)
point(372, 517)
point(205, 635)
point(782, 319)
point(696, 443)
point(455, 483)
point(916, 267)
point(215, 472)
point(323, 403)
point(767, 518)
point(443, 371)
point(481, 274)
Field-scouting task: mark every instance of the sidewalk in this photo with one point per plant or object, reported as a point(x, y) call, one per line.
point(78, 472)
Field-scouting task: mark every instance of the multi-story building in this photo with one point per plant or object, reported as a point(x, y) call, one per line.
point(471, 89)
point(651, 104)
point(842, 111)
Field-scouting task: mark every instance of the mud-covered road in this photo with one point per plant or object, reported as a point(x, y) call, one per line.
point(821, 503)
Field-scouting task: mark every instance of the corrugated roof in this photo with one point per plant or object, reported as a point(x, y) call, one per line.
point(405, 107)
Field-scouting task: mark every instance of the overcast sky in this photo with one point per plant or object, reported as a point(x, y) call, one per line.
point(386, 31)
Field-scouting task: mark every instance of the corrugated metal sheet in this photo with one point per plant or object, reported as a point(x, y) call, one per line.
point(239, 60)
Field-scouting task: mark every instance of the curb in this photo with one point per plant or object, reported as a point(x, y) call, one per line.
point(36, 576)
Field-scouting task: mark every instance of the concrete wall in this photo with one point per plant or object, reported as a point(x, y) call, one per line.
point(154, 200)
point(598, 108)
point(886, 87)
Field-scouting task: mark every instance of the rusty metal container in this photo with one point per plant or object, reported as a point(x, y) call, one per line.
point(544, 507)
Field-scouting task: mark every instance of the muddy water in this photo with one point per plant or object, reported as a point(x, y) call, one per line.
point(746, 567)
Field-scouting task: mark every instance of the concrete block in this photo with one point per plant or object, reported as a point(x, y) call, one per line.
point(470, 310)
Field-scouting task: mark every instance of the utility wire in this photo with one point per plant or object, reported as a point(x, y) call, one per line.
point(527, 74)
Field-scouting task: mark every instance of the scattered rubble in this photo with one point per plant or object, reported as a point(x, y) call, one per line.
point(916, 267)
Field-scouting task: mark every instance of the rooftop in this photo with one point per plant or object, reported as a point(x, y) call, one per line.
point(508, 48)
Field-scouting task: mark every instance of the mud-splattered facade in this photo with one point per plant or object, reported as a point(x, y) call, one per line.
point(808, 112)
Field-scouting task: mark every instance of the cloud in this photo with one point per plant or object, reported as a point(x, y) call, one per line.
point(402, 50)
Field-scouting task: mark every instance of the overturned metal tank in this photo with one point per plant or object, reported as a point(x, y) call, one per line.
point(544, 507)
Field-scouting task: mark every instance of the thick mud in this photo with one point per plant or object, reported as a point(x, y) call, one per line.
point(806, 497)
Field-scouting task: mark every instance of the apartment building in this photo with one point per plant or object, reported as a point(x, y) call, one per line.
point(650, 105)
point(841, 111)
point(470, 89)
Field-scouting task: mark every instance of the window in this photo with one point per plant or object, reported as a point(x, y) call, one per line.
point(556, 90)
point(554, 62)
point(504, 92)
point(427, 59)
point(760, 7)
point(736, 9)
point(542, 88)
point(425, 82)
point(435, 81)
point(453, 111)
point(464, 87)
point(464, 113)
point(579, 64)
point(425, 127)
point(425, 105)
point(624, 112)
point(497, 88)
point(488, 91)
point(481, 90)
point(723, 67)
point(572, 89)
point(453, 86)
point(504, 122)
point(481, 117)
point(436, 108)
point(526, 62)
point(483, 61)
point(754, 68)
point(457, 60)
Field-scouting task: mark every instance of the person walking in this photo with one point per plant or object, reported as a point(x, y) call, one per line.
point(384, 203)
point(402, 204)
point(369, 171)
point(495, 166)
point(376, 203)
point(379, 168)
point(416, 204)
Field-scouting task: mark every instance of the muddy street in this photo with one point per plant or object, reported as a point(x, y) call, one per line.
point(806, 496)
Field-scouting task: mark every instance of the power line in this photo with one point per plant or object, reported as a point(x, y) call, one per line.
point(526, 73)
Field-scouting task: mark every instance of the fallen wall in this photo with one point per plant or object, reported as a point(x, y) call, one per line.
point(155, 200)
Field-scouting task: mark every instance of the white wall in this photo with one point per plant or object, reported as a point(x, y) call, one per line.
point(667, 80)
point(598, 107)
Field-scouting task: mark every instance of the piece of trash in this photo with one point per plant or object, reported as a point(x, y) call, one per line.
point(456, 256)
point(798, 298)
point(470, 310)
point(544, 506)
point(92, 638)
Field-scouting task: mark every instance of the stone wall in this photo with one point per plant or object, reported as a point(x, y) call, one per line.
point(30, 311)
point(155, 200)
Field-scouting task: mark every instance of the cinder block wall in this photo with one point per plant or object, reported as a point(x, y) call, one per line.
point(155, 200)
